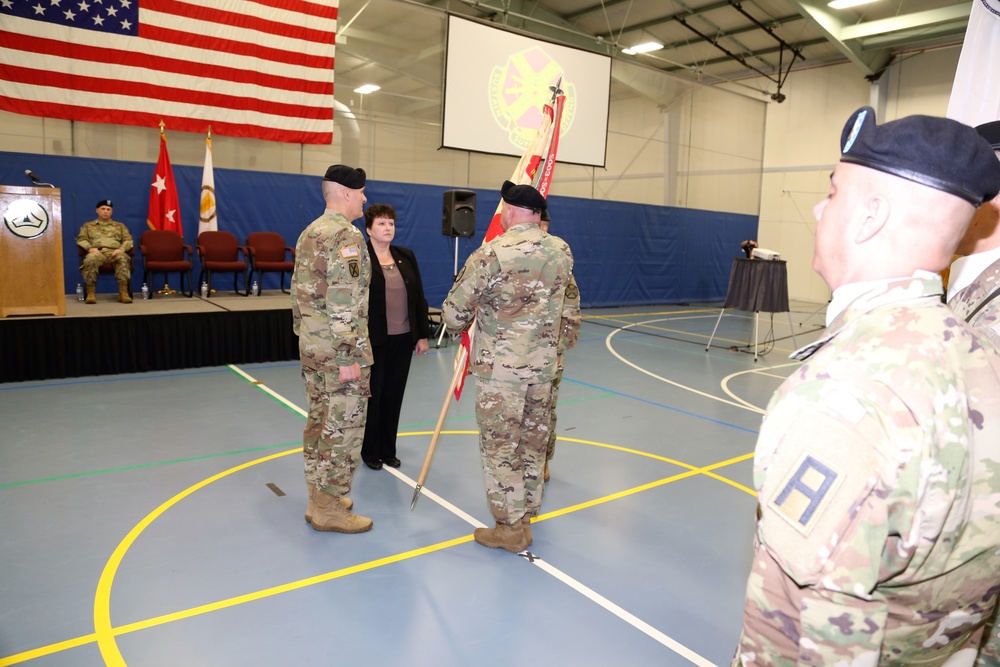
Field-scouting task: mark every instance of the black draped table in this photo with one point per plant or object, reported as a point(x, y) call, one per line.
point(755, 286)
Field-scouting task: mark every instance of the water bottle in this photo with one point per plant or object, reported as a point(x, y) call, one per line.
point(255, 290)
point(79, 292)
point(145, 292)
point(204, 290)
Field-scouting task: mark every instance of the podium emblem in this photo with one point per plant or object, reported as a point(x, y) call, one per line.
point(26, 218)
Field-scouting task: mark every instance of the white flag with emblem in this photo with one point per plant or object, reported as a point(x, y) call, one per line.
point(975, 95)
point(208, 221)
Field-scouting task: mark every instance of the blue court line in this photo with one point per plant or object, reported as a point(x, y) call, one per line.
point(661, 405)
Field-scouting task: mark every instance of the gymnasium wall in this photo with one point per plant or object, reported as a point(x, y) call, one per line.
point(626, 254)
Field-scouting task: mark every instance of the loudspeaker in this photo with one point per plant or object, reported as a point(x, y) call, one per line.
point(459, 214)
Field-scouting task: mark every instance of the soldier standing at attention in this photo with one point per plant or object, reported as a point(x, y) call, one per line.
point(105, 241)
point(877, 466)
point(974, 286)
point(514, 288)
point(569, 332)
point(330, 317)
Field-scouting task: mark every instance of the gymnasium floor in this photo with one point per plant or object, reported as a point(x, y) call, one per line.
point(156, 519)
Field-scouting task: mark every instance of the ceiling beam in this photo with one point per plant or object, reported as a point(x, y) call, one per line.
point(907, 22)
point(829, 22)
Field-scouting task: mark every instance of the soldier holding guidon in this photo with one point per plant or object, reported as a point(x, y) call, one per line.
point(514, 287)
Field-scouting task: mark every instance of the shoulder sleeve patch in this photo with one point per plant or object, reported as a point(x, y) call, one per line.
point(350, 252)
point(803, 495)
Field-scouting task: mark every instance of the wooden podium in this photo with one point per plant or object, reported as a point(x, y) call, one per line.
point(31, 252)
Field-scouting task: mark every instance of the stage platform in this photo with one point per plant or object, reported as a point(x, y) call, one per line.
point(162, 333)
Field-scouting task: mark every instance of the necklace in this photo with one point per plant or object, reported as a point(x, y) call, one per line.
point(388, 267)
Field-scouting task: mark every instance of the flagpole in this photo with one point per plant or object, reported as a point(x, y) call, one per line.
point(166, 288)
point(459, 369)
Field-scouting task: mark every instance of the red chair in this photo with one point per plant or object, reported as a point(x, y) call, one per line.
point(220, 252)
point(109, 268)
point(164, 251)
point(268, 252)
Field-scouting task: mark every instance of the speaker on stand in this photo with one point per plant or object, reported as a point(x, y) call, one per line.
point(458, 219)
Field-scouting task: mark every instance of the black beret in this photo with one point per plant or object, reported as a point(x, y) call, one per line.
point(346, 176)
point(935, 152)
point(991, 133)
point(104, 202)
point(524, 196)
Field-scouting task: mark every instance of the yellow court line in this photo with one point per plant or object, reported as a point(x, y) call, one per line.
point(102, 597)
point(105, 634)
point(43, 651)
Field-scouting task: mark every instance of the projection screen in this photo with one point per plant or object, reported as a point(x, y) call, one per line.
point(496, 83)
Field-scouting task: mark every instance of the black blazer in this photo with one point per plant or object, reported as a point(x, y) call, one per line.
point(406, 264)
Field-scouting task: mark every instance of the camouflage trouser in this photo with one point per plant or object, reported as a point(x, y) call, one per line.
point(335, 429)
point(550, 447)
point(513, 422)
point(989, 652)
point(92, 261)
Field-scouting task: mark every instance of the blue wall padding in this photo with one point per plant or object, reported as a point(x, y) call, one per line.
point(626, 254)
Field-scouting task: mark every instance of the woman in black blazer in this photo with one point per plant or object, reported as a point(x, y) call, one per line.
point(397, 327)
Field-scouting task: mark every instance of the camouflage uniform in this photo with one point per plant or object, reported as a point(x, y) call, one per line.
point(987, 319)
point(514, 288)
point(330, 317)
point(878, 538)
point(969, 298)
point(568, 335)
point(108, 237)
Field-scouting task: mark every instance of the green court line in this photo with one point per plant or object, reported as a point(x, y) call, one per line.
point(147, 465)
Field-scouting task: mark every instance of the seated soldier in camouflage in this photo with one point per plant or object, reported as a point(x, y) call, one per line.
point(106, 242)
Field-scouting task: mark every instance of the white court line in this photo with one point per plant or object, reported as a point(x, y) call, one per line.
point(757, 371)
point(592, 595)
point(607, 343)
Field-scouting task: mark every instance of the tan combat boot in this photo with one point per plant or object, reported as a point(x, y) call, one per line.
point(546, 475)
point(345, 502)
point(331, 517)
point(91, 295)
point(510, 538)
point(123, 296)
point(526, 527)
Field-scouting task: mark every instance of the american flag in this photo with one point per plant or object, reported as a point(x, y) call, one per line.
point(250, 68)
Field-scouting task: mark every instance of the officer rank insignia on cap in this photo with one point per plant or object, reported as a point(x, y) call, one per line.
point(804, 494)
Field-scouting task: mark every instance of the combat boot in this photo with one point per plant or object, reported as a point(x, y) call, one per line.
point(330, 516)
point(91, 295)
point(345, 502)
point(123, 296)
point(526, 527)
point(510, 538)
point(545, 476)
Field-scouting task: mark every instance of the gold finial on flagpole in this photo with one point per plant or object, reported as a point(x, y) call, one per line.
point(162, 126)
point(209, 131)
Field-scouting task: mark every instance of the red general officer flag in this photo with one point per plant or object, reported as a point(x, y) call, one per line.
point(164, 208)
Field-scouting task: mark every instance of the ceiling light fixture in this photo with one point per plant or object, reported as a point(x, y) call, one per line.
point(645, 47)
point(367, 88)
point(844, 4)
